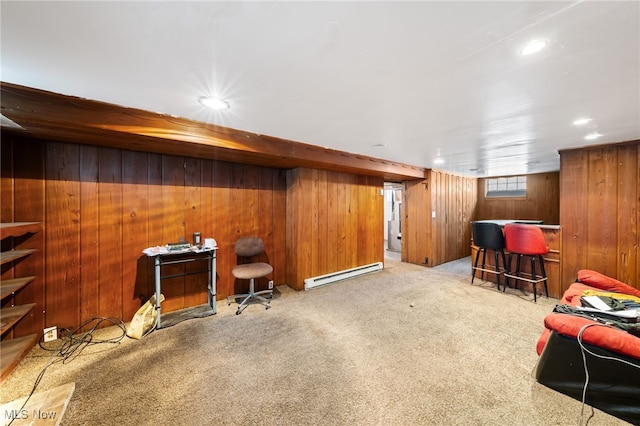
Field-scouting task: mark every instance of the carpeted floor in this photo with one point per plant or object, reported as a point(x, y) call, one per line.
point(408, 345)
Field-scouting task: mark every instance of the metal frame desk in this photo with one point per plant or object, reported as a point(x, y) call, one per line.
point(162, 258)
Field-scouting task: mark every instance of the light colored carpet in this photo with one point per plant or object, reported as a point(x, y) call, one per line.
point(408, 345)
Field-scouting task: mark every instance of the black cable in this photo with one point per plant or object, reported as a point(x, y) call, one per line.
point(72, 345)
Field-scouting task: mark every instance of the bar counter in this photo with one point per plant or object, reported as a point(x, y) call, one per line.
point(551, 260)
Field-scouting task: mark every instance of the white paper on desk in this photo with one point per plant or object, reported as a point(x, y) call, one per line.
point(154, 251)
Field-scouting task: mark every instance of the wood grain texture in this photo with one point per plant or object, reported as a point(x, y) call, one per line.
point(437, 212)
point(102, 206)
point(30, 159)
point(542, 201)
point(71, 119)
point(316, 201)
point(89, 233)
point(600, 199)
point(135, 227)
point(62, 235)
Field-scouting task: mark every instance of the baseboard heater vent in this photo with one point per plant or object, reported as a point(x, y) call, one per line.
point(310, 283)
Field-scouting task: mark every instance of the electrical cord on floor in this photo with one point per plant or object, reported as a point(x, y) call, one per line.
point(584, 350)
point(73, 342)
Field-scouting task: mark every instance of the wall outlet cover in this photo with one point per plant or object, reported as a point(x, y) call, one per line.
point(50, 334)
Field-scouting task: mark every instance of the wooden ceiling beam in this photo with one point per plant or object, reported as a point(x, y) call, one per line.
point(59, 117)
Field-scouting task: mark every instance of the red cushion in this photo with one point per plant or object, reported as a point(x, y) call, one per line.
point(574, 292)
point(600, 335)
point(603, 282)
point(542, 341)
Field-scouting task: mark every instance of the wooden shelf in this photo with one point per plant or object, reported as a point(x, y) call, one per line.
point(16, 229)
point(10, 256)
point(9, 287)
point(10, 316)
point(13, 351)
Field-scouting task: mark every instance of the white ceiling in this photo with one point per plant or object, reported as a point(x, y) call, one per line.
point(425, 79)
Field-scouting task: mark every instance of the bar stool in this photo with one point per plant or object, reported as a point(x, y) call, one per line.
point(488, 236)
point(526, 240)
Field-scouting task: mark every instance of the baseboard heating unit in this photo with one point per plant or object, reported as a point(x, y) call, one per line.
point(310, 283)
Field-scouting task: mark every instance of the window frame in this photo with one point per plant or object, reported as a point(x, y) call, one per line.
point(514, 186)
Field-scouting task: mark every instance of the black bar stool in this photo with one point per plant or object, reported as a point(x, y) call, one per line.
point(526, 240)
point(488, 236)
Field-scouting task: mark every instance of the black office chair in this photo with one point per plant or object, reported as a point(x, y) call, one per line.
point(247, 248)
point(488, 236)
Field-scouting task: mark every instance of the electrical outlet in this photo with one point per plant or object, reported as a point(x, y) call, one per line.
point(270, 284)
point(50, 334)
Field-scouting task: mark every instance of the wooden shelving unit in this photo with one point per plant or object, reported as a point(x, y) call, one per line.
point(13, 349)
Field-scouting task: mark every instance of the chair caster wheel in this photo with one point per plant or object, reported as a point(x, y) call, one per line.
point(238, 312)
point(267, 307)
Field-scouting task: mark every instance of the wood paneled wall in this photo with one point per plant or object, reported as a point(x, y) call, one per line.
point(437, 214)
point(600, 211)
point(101, 207)
point(541, 203)
point(334, 222)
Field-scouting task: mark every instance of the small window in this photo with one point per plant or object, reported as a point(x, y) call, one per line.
point(509, 186)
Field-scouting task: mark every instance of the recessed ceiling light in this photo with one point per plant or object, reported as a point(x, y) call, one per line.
point(533, 47)
point(213, 103)
point(438, 160)
point(379, 145)
point(592, 136)
point(581, 121)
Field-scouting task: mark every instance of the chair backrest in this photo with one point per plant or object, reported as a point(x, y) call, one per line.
point(487, 235)
point(525, 239)
point(249, 246)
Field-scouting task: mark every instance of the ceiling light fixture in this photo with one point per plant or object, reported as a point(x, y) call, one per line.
point(592, 136)
point(213, 102)
point(438, 160)
point(581, 121)
point(533, 47)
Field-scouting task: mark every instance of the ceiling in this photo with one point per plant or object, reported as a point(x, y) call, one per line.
point(408, 82)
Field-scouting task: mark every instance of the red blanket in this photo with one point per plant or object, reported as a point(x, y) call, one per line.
point(600, 335)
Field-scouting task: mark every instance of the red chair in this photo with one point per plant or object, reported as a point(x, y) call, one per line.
point(526, 240)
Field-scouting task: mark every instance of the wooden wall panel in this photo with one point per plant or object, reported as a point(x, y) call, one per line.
point(342, 219)
point(331, 212)
point(173, 227)
point(627, 208)
point(62, 235)
point(601, 207)
point(154, 227)
point(30, 210)
point(6, 181)
point(222, 231)
point(193, 284)
point(110, 232)
point(573, 211)
point(279, 230)
point(541, 203)
point(437, 215)
point(89, 233)
point(136, 285)
point(600, 199)
point(101, 207)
